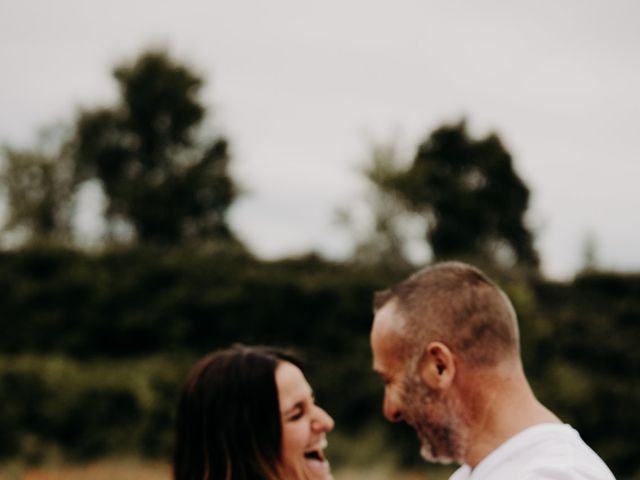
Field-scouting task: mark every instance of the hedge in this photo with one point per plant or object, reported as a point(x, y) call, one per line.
point(89, 344)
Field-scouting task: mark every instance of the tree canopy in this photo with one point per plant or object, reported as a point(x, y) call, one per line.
point(471, 196)
point(37, 185)
point(159, 173)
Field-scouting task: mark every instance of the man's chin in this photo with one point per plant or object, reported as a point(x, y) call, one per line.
point(430, 455)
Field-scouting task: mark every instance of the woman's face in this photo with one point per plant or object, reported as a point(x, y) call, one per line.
point(304, 427)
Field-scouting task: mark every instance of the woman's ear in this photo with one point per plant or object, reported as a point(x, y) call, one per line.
point(438, 368)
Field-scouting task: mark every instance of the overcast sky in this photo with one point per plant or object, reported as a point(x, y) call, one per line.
point(303, 88)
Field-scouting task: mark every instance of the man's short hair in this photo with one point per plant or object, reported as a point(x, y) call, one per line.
point(458, 305)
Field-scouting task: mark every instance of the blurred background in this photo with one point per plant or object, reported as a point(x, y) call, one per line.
point(181, 176)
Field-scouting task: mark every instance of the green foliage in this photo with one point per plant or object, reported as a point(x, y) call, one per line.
point(53, 405)
point(90, 341)
point(38, 187)
point(158, 172)
point(164, 176)
point(471, 196)
point(144, 301)
point(592, 372)
point(384, 240)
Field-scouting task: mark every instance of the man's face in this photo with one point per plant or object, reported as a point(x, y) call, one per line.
point(408, 398)
point(434, 418)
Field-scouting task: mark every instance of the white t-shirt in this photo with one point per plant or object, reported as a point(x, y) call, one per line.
point(542, 452)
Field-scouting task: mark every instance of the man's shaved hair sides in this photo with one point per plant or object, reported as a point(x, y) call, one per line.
point(458, 305)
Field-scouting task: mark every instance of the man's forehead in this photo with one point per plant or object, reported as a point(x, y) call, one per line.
point(387, 320)
point(386, 340)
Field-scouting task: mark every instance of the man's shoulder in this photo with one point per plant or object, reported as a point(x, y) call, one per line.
point(568, 472)
point(562, 454)
point(549, 452)
point(550, 469)
point(567, 461)
point(461, 473)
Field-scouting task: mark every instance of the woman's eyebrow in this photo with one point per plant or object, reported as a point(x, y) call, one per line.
point(292, 408)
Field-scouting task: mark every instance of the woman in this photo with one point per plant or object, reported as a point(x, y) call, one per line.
point(247, 413)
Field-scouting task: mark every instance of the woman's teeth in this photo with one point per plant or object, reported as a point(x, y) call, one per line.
point(316, 453)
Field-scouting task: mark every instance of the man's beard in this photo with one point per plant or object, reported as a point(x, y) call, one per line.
point(436, 424)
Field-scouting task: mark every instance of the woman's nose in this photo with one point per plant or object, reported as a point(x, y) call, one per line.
point(322, 420)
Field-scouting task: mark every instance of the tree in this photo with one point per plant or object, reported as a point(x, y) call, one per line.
point(472, 198)
point(159, 173)
point(589, 253)
point(37, 184)
point(383, 230)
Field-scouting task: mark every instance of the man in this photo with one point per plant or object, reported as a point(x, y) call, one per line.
point(446, 343)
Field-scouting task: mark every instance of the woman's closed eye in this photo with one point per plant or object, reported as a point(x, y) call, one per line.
point(297, 413)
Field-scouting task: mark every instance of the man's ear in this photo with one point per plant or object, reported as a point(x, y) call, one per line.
point(438, 367)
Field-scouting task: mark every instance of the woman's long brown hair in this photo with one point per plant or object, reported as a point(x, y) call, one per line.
point(228, 423)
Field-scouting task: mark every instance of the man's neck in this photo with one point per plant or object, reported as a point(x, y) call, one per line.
point(506, 407)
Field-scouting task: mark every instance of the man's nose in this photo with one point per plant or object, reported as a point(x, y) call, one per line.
point(391, 409)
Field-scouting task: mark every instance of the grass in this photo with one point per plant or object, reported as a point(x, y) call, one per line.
point(119, 469)
point(132, 469)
